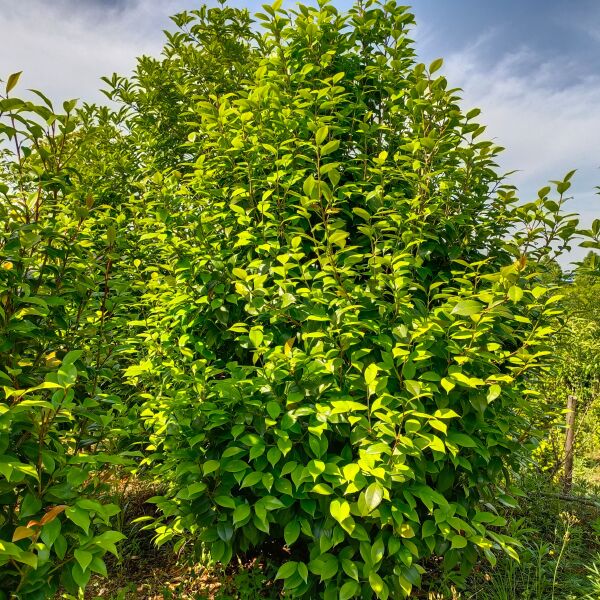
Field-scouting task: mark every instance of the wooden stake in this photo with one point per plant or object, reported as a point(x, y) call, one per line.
point(569, 443)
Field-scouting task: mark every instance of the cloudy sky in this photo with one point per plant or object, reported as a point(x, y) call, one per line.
point(530, 65)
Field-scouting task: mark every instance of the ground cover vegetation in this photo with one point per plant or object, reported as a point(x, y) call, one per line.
point(273, 324)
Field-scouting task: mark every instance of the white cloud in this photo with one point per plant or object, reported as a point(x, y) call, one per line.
point(63, 48)
point(547, 127)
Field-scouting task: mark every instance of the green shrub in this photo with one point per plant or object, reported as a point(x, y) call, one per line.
point(343, 312)
point(61, 418)
point(337, 304)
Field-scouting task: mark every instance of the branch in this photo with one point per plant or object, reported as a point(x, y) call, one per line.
point(568, 498)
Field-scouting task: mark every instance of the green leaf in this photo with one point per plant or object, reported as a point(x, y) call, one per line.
point(321, 134)
point(273, 409)
point(210, 466)
point(111, 234)
point(428, 529)
point(256, 336)
point(309, 186)
point(350, 589)
point(98, 566)
point(60, 546)
point(339, 509)
point(436, 65)
point(225, 501)
point(373, 496)
point(50, 531)
point(330, 147)
point(447, 384)
point(377, 551)
point(271, 503)
point(18, 555)
point(350, 568)
point(72, 357)
point(287, 570)
point(79, 516)
point(563, 186)
point(83, 557)
point(445, 413)
point(494, 392)
point(225, 531)
point(323, 489)
point(30, 505)
point(515, 293)
point(376, 583)
point(303, 571)
point(362, 213)
point(274, 455)
point(67, 374)
point(80, 576)
point(461, 439)
point(467, 307)
point(108, 539)
point(371, 373)
point(291, 532)
point(508, 501)
point(251, 479)
point(12, 81)
point(235, 466)
point(241, 514)
point(325, 565)
point(458, 542)
point(487, 517)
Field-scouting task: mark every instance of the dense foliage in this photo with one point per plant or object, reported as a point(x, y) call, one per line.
point(289, 260)
point(576, 370)
point(59, 301)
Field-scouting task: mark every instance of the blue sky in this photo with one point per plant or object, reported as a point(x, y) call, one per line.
point(530, 65)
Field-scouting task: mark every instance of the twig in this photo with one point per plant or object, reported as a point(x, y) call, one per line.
point(568, 498)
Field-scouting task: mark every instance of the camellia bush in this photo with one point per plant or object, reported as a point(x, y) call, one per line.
point(284, 280)
point(345, 311)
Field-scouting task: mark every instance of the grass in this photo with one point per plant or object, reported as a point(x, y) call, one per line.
point(560, 554)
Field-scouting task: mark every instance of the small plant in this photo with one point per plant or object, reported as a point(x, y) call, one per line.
point(567, 520)
point(594, 580)
point(248, 582)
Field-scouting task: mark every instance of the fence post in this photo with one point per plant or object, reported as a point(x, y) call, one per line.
point(569, 442)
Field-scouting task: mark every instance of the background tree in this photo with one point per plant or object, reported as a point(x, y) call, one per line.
point(575, 371)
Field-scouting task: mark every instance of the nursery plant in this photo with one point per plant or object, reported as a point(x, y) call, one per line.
point(347, 313)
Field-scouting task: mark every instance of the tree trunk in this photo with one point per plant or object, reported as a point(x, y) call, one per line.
point(569, 443)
